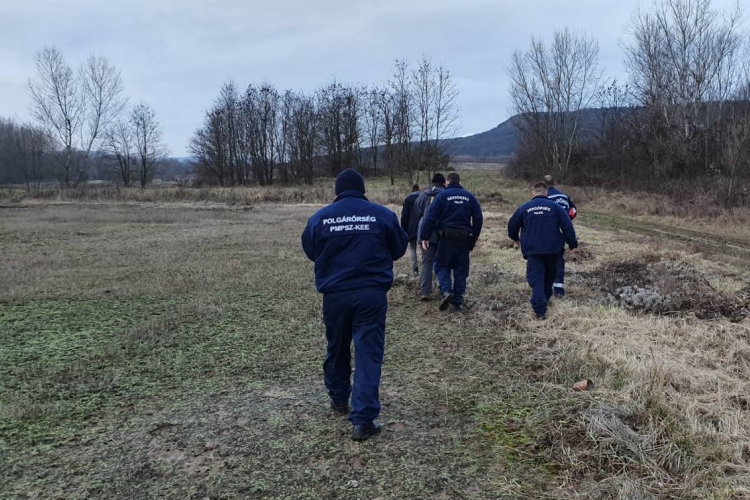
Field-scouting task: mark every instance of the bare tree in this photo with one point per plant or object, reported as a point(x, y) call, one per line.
point(119, 146)
point(75, 108)
point(387, 106)
point(446, 118)
point(207, 147)
point(260, 108)
point(682, 66)
point(296, 136)
point(550, 86)
point(424, 94)
point(402, 97)
point(149, 145)
point(735, 148)
point(338, 120)
point(57, 104)
point(26, 152)
point(372, 119)
point(303, 137)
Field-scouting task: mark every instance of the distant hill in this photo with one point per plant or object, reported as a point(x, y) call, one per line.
point(499, 141)
point(502, 141)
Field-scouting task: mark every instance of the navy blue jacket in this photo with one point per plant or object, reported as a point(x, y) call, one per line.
point(409, 216)
point(454, 208)
point(563, 200)
point(544, 227)
point(353, 243)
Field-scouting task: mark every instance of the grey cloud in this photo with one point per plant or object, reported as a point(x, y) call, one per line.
point(175, 54)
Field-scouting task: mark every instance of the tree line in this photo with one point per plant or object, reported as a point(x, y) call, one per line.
point(680, 121)
point(261, 135)
point(82, 126)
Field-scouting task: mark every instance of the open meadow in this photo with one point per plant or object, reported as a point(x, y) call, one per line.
point(170, 346)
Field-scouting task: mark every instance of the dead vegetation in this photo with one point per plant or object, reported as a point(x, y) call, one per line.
point(657, 285)
point(167, 350)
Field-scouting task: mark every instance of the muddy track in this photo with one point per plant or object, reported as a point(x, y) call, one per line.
point(710, 244)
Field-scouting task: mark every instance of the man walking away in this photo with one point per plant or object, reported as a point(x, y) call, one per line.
point(428, 255)
point(544, 228)
point(353, 243)
point(457, 218)
point(567, 204)
point(410, 224)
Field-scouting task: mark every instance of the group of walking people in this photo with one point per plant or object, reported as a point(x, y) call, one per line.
point(445, 235)
point(354, 243)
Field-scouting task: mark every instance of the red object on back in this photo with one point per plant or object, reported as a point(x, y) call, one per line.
point(572, 213)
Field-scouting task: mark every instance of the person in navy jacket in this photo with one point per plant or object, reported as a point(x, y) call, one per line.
point(544, 229)
point(353, 243)
point(456, 216)
point(567, 204)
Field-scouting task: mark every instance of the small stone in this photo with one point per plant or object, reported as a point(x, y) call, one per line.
point(353, 483)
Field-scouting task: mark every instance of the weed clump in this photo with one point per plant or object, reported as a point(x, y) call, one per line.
point(636, 298)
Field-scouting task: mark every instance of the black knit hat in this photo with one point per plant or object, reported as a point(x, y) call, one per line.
point(438, 178)
point(349, 180)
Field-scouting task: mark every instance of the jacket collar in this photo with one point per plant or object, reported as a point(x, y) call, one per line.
point(539, 196)
point(454, 186)
point(350, 194)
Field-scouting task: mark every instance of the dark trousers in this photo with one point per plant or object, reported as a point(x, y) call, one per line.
point(452, 257)
point(540, 273)
point(559, 285)
point(425, 274)
point(357, 315)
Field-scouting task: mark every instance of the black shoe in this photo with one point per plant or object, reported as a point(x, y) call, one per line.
point(458, 308)
point(415, 272)
point(446, 303)
point(340, 408)
point(366, 431)
point(541, 317)
point(424, 298)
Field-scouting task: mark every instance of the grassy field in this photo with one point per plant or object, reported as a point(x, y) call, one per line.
point(173, 348)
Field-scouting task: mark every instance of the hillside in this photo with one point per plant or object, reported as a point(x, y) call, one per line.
point(499, 141)
point(503, 139)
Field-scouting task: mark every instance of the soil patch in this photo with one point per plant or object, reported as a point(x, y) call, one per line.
point(661, 286)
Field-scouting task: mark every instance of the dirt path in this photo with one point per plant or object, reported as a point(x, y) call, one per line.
point(709, 244)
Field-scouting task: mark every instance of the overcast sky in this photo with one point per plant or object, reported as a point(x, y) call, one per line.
point(175, 54)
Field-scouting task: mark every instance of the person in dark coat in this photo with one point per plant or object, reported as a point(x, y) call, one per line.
point(353, 243)
point(428, 255)
point(456, 216)
point(544, 229)
point(410, 224)
point(567, 204)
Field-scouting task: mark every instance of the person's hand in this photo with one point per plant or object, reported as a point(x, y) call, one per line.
point(516, 244)
point(425, 245)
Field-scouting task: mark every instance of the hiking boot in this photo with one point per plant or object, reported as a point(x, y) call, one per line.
point(340, 408)
point(447, 299)
point(458, 308)
point(366, 431)
point(541, 317)
point(415, 272)
point(424, 298)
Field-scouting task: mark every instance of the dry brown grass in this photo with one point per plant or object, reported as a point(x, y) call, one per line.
point(674, 420)
point(484, 183)
point(169, 349)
